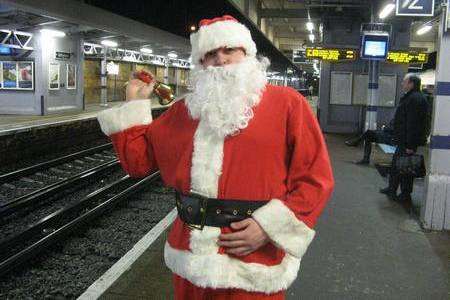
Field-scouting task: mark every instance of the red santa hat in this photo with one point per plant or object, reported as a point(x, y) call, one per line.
point(219, 32)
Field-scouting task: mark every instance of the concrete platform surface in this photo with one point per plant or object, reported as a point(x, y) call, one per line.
point(11, 124)
point(366, 247)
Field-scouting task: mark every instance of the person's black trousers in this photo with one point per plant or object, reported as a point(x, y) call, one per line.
point(395, 179)
point(375, 136)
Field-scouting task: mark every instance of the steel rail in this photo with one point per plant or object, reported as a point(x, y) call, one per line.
point(51, 220)
point(48, 164)
point(58, 234)
point(46, 192)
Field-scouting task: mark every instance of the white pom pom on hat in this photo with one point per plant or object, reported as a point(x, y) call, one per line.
point(219, 32)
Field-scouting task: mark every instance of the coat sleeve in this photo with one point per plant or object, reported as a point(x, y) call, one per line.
point(129, 127)
point(416, 111)
point(289, 221)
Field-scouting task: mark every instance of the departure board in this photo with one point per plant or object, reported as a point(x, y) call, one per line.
point(331, 54)
point(406, 57)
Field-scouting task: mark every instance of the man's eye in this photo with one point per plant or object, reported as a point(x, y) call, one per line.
point(229, 50)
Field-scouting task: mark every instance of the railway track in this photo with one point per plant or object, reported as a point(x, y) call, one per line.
point(32, 186)
point(46, 184)
point(22, 246)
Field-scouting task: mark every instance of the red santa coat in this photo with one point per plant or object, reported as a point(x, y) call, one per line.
point(281, 156)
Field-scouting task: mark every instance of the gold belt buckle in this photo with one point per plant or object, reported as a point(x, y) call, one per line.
point(204, 204)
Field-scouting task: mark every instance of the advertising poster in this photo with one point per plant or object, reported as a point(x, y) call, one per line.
point(53, 76)
point(25, 75)
point(71, 77)
point(9, 75)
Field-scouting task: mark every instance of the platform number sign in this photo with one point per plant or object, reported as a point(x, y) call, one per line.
point(414, 7)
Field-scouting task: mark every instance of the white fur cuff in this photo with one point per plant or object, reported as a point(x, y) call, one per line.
point(116, 119)
point(284, 228)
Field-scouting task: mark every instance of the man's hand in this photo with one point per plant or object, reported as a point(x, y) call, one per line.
point(409, 151)
point(137, 89)
point(249, 237)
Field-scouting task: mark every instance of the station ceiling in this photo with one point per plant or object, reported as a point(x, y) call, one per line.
point(288, 19)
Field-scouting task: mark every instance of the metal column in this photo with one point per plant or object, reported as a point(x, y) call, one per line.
point(103, 77)
point(373, 96)
point(435, 212)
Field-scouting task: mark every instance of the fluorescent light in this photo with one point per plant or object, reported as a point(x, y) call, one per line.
point(172, 55)
point(310, 26)
point(386, 11)
point(424, 29)
point(311, 37)
point(109, 43)
point(53, 33)
point(146, 50)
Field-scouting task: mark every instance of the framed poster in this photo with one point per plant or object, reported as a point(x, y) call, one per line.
point(341, 88)
point(9, 73)
point(25, 75)
point(53, 76)
point(388, 89)
point(71, 77)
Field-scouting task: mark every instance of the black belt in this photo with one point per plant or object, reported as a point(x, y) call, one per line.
point(198, 211)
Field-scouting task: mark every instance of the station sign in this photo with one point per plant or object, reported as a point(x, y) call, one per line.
point(418, 8)
point(299, 57)
point(331, 54)
point(407, 57)
point(62, 55)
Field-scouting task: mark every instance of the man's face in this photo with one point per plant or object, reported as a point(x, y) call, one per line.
point(407, 85)
point(223, 56)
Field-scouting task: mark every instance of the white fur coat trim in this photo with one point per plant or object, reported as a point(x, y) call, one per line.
point(129, 114)
point(221, 34)
point(222, 271)
point(207, 159)
point(284, 228)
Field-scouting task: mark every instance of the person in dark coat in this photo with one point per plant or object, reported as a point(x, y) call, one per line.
point(409, 132)
point(382, 136)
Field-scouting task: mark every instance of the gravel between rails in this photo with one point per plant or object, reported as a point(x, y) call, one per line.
point(20, 221)
point(67, 269)
point(51, 155)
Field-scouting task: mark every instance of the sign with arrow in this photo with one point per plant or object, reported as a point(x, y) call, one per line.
point(420, 8)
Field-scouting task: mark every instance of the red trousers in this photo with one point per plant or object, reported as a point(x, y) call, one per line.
point(184, 290)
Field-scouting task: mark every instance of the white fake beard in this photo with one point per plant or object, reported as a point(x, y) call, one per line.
point(223, 97)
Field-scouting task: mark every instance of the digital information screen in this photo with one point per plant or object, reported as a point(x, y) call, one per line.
point(374, 45)
point(375, 48)
point(407, 57)
point(331, 54)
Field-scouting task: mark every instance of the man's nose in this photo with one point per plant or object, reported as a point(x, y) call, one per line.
point(221, 59)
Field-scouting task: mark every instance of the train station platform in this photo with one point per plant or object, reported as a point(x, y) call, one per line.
point(12, 124)
point(23, 137)
point(366, 247)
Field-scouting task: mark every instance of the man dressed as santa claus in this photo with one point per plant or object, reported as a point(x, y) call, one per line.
point(248, 162)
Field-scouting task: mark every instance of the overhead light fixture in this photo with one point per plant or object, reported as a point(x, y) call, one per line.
point(172, 55)
point(146, 50)
point(193, 28)
point(109, 43)
point(53, 33)
point(310, 26)
point(424, 29)
point(387, 10)
point(311, 37)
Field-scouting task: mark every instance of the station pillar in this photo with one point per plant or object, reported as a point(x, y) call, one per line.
point(435, 212)
point(373, 96)
point(103, 78)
